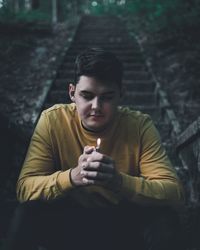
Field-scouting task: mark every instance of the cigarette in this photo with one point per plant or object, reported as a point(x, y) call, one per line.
point(98, 144)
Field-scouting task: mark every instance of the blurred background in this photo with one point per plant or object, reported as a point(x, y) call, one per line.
point(39, 40)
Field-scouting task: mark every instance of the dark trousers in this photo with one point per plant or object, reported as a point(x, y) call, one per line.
point(63, 224)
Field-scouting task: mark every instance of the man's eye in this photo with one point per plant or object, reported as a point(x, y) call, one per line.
point(87, 96)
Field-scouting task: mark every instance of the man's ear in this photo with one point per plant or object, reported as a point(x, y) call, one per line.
point(72, 89)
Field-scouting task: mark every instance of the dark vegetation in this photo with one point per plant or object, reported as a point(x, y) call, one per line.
point(169, 34)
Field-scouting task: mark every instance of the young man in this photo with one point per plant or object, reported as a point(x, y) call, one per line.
point(74, 195)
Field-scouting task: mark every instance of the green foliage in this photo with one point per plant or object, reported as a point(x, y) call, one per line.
point(96, 9)
point(33, 16)
point(158, 14)
point(6, 14)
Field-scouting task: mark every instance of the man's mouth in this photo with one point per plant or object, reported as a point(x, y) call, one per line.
point(96, 115)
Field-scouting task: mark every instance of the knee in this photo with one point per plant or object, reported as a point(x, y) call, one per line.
point(28, 209)
point(162, 231)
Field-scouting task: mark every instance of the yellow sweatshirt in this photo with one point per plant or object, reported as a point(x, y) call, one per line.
point(132, 141)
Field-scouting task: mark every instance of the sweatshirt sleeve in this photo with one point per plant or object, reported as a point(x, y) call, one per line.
point(157, 182)
point(39, 177)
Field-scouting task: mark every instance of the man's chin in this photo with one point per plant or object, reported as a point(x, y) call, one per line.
point(94, 128)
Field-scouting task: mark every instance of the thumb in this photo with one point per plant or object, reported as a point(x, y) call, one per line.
point(88, 149)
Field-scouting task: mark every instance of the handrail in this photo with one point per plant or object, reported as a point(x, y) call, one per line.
point(191, 133)
point(188, 149)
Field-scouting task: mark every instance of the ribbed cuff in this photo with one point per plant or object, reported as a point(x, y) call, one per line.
point(129, 185)
point(63, 181)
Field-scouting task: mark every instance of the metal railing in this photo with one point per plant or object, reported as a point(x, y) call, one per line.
point(188, 149)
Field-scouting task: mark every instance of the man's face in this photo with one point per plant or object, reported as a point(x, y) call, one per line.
point(96, 102)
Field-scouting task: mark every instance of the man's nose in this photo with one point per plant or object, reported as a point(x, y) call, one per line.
point(96, 104)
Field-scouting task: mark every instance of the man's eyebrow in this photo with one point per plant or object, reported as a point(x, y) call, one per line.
point(86, 92)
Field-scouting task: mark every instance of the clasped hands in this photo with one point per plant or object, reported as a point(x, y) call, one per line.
point(95, 168)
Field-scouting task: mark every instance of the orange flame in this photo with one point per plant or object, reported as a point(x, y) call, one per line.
point(98, 143)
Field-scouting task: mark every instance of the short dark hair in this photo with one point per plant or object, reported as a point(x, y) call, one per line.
point(100, 64)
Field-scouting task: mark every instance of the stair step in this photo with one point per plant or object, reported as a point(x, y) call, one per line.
point(138, 98)
point(137, 75)
point(122, 52)
point(113, 47)
point(131, 60)
point(140, 86)
point(106, 44)
point(134, 66)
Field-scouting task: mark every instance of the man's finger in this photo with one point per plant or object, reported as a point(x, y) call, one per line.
point(96, 156)
point(99, 166)
point(93, 175)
